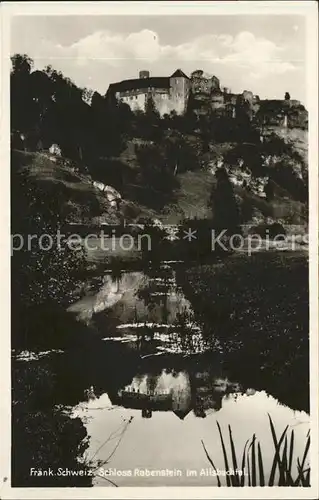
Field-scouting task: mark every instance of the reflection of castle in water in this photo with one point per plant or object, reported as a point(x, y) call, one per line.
point(180, 393)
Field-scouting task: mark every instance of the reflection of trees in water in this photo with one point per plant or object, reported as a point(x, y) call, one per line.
point(161, 292)
point(163, 303)
point(157, 291)
point(164, 272)
point(151, 383)
point(184, 335)
point(210, 388)
point(144, 340)
point(139, 377)
point(116, 271)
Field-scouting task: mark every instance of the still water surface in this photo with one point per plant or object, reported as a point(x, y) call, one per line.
point(159, 386)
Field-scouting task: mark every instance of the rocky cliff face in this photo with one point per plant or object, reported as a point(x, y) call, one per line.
point(287, 114)
point(282, 113)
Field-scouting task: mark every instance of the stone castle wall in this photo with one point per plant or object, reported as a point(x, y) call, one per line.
point(136, 100)
point(166, 100)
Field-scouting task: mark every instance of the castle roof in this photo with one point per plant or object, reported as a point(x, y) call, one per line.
point(182, 413)
point(179, 73)
point(158, 82)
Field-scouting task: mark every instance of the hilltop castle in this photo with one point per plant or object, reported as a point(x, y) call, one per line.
point(172, 93)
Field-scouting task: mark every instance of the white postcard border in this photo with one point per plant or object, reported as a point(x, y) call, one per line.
point(7, 11)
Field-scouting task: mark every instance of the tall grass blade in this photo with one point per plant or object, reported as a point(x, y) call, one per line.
point(243, 463)
point(302, 475)
point(277, 445)
point(248, 467)
point(288, 466)
point(260, 467)
point(235, 478)
point(211, 462)
point(298, 479)
point(307, 477)
point(253, 462)
point(225, 454)
point(291, 451)
point(252, 454)
point(300, 466)
point(283, 465)
point(306, 451)
point(304, 478)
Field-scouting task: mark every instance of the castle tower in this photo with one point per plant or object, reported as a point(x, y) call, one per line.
point(144, 74)
point(179, 90)
point(215, 83)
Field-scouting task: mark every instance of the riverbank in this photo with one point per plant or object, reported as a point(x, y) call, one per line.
point(258, 307)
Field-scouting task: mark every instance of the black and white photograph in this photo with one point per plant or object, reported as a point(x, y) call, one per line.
point(163, 238)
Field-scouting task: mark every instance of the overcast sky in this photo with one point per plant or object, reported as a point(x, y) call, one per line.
point(265, 54)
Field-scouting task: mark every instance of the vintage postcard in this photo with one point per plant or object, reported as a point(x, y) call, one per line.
point(159, 190)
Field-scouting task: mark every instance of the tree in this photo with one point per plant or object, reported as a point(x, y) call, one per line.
point(70, 120)
point(246, 210)
point(251, 156)
point(150, 108)
point(21, 103)
point(48, 272)
point(152, 116)
point(190, 119)
point(21, 64)
point(270, 190)
point(287, 96)
point(243, 117)
point(224, 205)
point(156, 177)
point(110, 120)
point(148, 124)
point(48, 108)
point(180, 155)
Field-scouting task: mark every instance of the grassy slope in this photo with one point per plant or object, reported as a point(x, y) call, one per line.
point(194, 194)
point(192, 198)
point(81, 200)
point(75, 191)
point(86, 204)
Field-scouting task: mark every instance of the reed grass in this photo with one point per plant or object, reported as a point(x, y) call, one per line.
point(282, 463)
